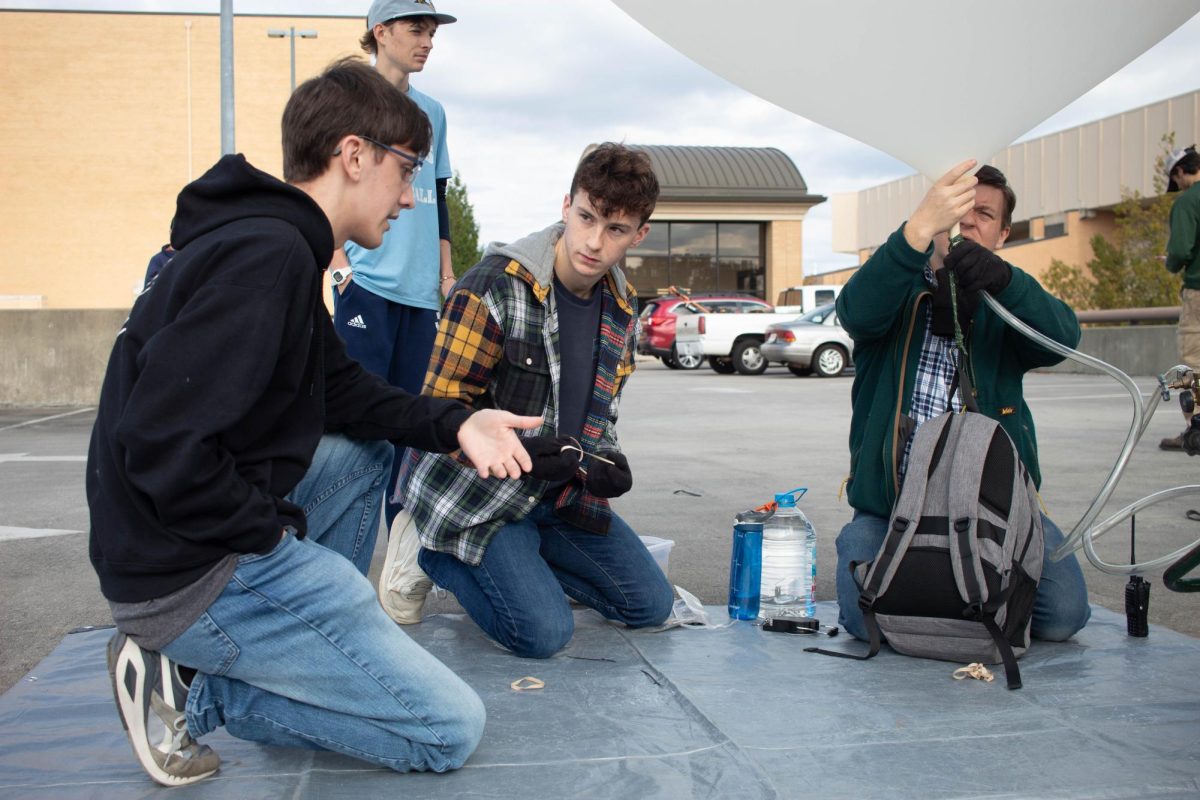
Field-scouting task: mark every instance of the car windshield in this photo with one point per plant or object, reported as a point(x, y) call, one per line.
point(818, 314)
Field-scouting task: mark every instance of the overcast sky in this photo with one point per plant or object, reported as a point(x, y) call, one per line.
point(528, 85)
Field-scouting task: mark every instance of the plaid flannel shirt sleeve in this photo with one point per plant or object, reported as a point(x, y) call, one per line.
point(625, 368)
point(468, 346)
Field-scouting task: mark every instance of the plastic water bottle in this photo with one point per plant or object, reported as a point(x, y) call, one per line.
point(789, 561)
point(745, 569)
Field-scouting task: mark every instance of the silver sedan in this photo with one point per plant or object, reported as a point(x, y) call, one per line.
point(814, 342)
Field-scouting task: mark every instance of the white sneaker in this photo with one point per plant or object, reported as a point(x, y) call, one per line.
point(403, 584)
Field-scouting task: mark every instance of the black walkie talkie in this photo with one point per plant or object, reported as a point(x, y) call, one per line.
point(1137, 594)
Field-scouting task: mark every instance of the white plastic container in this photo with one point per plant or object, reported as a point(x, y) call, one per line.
point(789, 561)
point(660, 549)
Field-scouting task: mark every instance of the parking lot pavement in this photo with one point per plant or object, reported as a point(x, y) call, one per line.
point(702, 447)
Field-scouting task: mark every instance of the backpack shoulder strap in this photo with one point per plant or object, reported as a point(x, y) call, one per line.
point(969, 455)
point(875, 641)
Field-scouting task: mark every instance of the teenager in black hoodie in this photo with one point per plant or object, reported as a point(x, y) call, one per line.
point(231, 547)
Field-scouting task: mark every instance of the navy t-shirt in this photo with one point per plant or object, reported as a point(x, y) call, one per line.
point(578, 344)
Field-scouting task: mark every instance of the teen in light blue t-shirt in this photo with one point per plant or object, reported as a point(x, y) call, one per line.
point(386, 310)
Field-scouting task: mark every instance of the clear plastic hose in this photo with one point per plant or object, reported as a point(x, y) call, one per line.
point(1083, 534)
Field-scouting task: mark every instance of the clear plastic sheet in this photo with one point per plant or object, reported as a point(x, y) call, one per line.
point(730, 713)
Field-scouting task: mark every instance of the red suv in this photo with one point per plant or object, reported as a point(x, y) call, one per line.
point(657, 323)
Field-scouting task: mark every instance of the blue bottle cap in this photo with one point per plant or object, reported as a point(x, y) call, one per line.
point(788, 499)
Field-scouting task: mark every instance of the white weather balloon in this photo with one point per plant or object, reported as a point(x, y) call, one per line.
point(931, 82)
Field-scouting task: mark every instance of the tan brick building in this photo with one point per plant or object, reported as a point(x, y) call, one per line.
point(105, 116)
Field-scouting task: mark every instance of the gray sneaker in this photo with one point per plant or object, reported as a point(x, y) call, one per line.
point(150, 698)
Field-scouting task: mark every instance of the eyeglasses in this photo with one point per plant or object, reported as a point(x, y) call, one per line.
point(410, 174)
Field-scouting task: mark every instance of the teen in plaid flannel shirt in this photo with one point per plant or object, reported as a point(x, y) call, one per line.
point(903, 332)
point(544, 326)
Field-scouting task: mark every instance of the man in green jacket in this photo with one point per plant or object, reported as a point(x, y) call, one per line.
point(897, 309)
point(1183, 255)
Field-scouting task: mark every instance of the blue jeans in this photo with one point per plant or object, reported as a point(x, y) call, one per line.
point(393, 341)
point(516, 593)
point(298, 652)
point(1060, 609)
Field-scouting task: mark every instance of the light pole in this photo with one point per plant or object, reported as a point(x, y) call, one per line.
point(226, 77)
point(291, 33)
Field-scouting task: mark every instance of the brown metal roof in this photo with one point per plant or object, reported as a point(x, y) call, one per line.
point(740, 174)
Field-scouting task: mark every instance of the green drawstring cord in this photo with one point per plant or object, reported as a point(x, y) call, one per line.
point(958, 334)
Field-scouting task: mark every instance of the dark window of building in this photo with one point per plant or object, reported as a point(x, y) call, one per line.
point(648, 266)
point(739, 247)
point(1056, 229)
point(1018, 234)
point(694, 255)
point(700, 257)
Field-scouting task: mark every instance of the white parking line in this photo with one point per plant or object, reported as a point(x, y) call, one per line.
point(25, 457)
point(45, 419)
point(8, 534)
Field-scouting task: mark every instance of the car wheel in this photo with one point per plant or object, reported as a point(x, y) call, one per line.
point(798, 371)
point(669, 360)
point(829, 361)
point(685, 360)
point(748, 358)
point(722, 366)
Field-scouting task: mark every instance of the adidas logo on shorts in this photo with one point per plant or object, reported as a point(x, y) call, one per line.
point(357, 322)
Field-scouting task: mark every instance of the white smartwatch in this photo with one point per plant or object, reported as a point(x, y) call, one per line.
point(339, 275)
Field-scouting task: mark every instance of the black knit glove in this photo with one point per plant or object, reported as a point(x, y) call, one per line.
point(943, 314)
point(978, 269)
point(609, 480)
point(550, 461)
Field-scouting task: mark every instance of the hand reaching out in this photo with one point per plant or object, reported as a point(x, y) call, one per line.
point(489, 440)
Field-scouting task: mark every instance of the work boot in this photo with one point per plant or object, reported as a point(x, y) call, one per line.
point(1171, 443)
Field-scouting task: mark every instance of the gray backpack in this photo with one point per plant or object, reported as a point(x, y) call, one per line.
point(958, 571)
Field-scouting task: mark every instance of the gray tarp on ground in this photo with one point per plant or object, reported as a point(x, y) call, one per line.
point(731, 713)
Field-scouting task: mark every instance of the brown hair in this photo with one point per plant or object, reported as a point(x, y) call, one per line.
point(368, 43)
point(990, 176)
point(349, 97)
point(617, 179)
